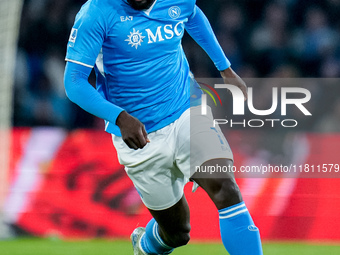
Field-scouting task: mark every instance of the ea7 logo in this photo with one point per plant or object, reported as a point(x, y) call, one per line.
point(238, 100)
point(126, 18)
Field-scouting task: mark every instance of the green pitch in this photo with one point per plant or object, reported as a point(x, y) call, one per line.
point(122, 247)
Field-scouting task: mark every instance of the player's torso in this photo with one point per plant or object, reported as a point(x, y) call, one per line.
point(139, 37)
point(145, 69)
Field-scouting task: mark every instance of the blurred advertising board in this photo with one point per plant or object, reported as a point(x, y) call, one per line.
point(69, 184)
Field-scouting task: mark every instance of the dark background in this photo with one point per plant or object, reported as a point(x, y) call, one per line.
point(277, 39)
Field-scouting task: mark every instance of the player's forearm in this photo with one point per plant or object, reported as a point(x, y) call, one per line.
point(200, 30)
point(83, 94)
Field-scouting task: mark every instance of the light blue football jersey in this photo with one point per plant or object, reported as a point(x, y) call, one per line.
point(137, 55)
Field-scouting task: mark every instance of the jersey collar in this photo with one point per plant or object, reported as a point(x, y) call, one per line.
point(147, 12)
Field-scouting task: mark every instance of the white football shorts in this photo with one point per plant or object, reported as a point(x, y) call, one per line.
point(161, 169)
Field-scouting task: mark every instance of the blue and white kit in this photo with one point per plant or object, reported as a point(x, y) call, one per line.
point(141, 68)
point(138, 59)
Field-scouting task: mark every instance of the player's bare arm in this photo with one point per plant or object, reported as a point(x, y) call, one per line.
point(230, 77)
point(132, 130)
point(200, 30)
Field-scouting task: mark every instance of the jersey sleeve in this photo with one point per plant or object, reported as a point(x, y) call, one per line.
point(200, 30)
point(87, 36)
point(80, 91)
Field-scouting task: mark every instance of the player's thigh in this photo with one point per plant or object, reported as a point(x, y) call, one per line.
point(152, 170)
point(221, 187)
point(199, 141)
point(211, 160)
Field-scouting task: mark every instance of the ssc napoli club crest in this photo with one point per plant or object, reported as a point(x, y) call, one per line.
point(174, 12)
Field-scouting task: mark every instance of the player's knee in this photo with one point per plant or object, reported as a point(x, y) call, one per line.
point(227, 194)
point(180, 237)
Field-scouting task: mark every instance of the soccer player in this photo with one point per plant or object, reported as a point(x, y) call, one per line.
point(143, 92)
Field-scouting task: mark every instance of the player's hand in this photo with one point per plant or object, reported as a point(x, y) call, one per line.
point(132, 130)
point(230, 77)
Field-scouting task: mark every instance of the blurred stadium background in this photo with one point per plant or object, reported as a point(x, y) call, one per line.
point(60, 178)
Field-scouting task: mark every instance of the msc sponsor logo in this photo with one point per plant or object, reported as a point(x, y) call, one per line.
point(135, 38)
point(159, 34)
